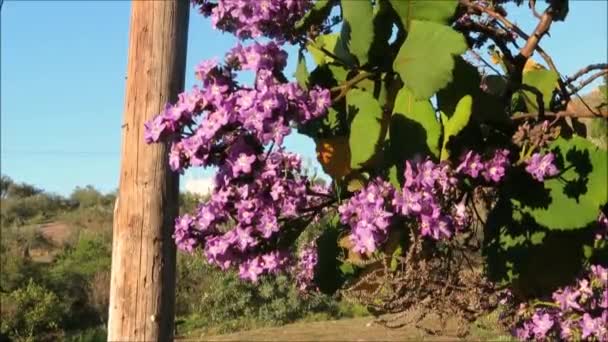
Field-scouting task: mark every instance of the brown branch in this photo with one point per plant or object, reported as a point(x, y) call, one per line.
point(346, 86)
point(541, 29)
point(532, 5)
point(562, 114)
point(585, 70)
point(509, 25)
point(586, 82)
point(492, 32)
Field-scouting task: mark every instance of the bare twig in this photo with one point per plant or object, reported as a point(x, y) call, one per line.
point(509, 25)
point(586, 82)
point(532, 5)
point(585, 70)
point(327, 52)
point(488, 64)
point(560, 114)
point(346, 86)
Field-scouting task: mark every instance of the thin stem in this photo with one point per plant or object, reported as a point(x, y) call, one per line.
point(346, 86)
point(561, 114)
point(586, 82)
point(585, 70)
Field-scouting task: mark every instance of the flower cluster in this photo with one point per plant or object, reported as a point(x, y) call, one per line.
point(369, 213)
point(430, 196)
point(253, 210)
point(492, 170)
point(254, 18)
point(239, 120)
point(305, 267)
point(576, 313)
point(538, 135)
point(258, 188)
point(541, 166)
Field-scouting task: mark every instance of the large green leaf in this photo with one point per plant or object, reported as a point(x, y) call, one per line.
point(333, 44)
point(384, 20)
point(574, 199)
point(358, 28)
point(316, 15)
point(426, 59)
point(414, 127)
point(366, 126)
point(539, 85)
point(466, 81)
point(528, 257)
point(301, 73)
point(435, 11)
point(456, 123)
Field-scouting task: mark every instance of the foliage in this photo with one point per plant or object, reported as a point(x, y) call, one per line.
point(31, 311)
point(435, 133)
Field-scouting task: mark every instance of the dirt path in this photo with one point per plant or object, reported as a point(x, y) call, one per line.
point(356, 329)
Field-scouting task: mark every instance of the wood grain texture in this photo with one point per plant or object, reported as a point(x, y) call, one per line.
point(142, 294)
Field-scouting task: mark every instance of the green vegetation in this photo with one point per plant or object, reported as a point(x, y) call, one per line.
point(55, 261)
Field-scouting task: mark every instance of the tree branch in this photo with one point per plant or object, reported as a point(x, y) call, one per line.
point(346, 86)
point(562, 114)
point(586, 82)
point(585, 70)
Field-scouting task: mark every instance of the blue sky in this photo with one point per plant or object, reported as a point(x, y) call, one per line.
point(63, 75)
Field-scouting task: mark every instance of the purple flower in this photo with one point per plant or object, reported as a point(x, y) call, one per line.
point(154, 129)
point(566, 329)
point(305, 267)
point(243, 164)
point(369, 213)
point(495, 168)
point(471, 165)
point(590, 326)
point(600, 273)
point(541, 325)
point(541, 166)
point(204, 67)
point(186, 237)
point(251, 269)
point(524, 332)
point(567, 299)
point(273, 261)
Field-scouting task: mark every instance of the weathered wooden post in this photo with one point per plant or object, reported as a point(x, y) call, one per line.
point(142, 294)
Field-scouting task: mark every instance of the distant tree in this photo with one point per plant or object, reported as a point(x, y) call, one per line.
point(87, 196)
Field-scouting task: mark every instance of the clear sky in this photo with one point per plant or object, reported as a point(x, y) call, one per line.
point(62, 79)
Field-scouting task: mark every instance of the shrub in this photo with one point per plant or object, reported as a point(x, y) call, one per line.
point(31, 311)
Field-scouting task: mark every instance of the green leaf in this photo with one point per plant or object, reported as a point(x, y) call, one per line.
point(347, 268)
point(383, 21)
point(366, 126)
point(577, 195)
point(316, 15)
point(541, 83)
point(434, 11)
point(456, 123)
point(466, 81)
point(395, 258)
point(393, 177)
point(603, 89)
point(301, 73)
point(414, 127)
point(358, 28)
point(426, 59)
point(333, 44)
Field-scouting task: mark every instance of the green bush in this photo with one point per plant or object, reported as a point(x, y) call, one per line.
point(31, 312)
point(218, 301)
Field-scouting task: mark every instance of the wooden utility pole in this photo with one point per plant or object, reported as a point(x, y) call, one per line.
point(142, 293)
